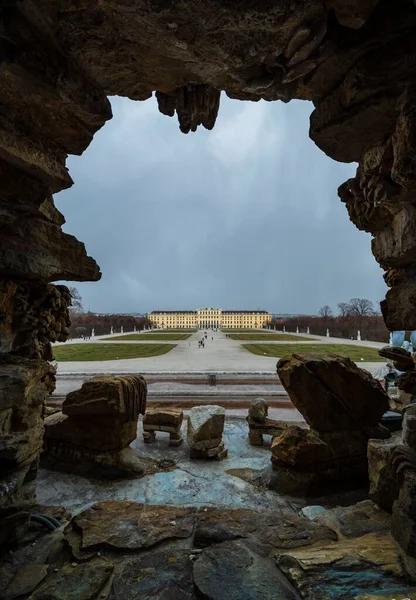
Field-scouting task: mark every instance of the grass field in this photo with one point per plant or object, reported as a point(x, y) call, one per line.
point(83, 352)
point(137, 337)
point(276, 337)
point(356, 353)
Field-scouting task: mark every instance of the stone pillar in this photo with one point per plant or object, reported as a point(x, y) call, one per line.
point(307, 331)
point(297, 329)
point(358, 336)
point(92, 332)
point(111, 330)
point(327, 333)
point(284, 329)
point(134, 329)
point(121, 330)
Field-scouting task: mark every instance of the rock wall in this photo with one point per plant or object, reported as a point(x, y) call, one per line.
point(354, 59)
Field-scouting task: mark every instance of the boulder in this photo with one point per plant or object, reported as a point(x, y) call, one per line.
point(343, 406)
point(107, 395)
point(205, 425)
point(258, 409)
point(97, 424)
point(402, 359)
point(332, 393)
point(301, 449)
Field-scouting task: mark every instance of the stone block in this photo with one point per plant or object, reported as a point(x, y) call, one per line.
point(108, 395)
point(205, 423)
point(171, 417)
point(104, 435)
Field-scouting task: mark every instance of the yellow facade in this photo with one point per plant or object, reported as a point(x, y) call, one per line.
point(204, 318)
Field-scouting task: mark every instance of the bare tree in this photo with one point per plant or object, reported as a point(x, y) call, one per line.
point(357, 311)
point(76, 305)
point(360, 307)
point(325, 312)
point(343, 309)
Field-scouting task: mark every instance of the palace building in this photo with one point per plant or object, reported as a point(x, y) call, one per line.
point(204, 318)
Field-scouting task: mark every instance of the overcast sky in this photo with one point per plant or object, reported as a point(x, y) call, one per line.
point(242, 217)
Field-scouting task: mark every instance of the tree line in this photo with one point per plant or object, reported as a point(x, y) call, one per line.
point(82, 323)
point(356, 315)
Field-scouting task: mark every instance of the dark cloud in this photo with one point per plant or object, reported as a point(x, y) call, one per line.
point(245, 216)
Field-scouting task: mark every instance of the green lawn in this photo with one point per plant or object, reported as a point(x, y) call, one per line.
point(356, 353)
point(137, 337)
point(276, 337)
point(82, 352)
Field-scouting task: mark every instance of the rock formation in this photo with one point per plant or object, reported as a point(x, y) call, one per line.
point(166, 419)
point(130, 550)
point(97, 424)
point(24, 386)
point(205, 428)
point(259, 424)
point(383, 483)
point(403, 464)
point(354, 59)
point(343, 406)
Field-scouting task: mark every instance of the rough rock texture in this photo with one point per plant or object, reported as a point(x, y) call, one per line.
point(343, 406)
point(402, 359)
point(231, 571)
point(204, 432)
point(97, 423)
point(166, 419)
point(335, 570)
point(128, 550)
point(332, 393)
point(259, 424)
point(383, 484)
point(131, 525)
point(403, 464)
point(34, 315)
point(24, 387)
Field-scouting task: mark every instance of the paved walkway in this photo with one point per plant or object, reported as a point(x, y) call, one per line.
point(220, 355)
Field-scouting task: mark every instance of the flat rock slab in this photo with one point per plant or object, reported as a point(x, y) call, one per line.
point(205, 423)
point(231, 571)
point(172, 417)
point(157, 575)
point(280, 529)
point(129, 551)
point(130, 525)
point(25, 581)
point(87, 581)
point(344, 569)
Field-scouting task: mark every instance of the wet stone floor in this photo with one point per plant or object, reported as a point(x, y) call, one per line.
point(201, 531)
point(236, 482)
